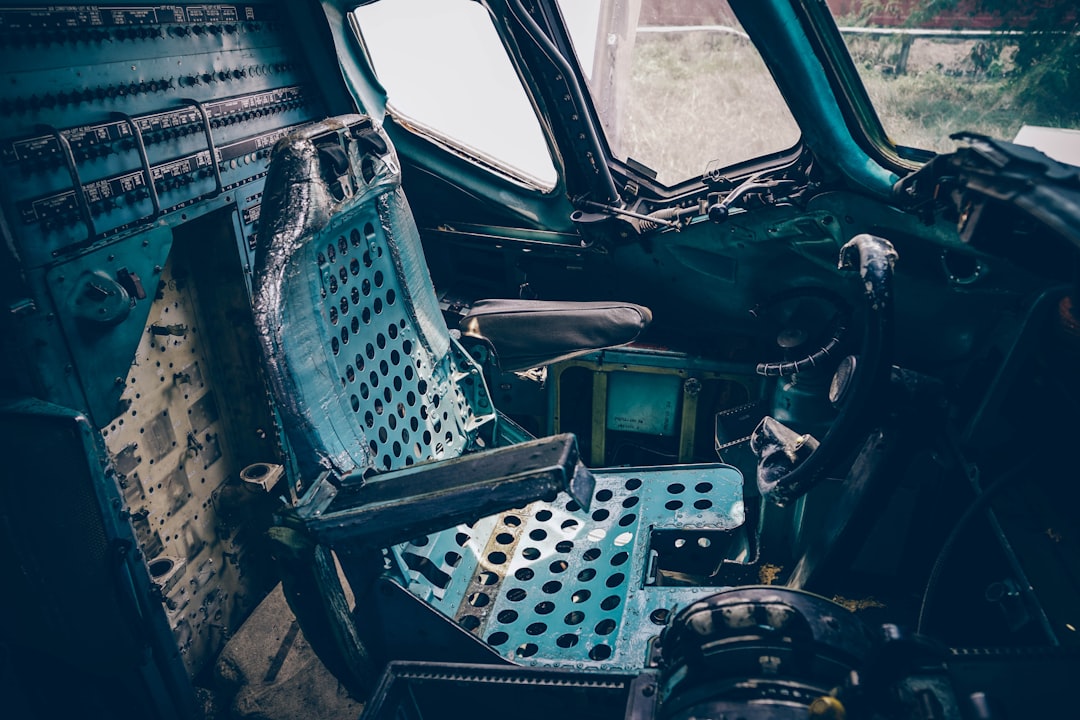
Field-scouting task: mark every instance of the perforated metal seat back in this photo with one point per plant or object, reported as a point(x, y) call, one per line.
point(363, 366)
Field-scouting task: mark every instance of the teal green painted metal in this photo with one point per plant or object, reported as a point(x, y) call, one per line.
point(102, 350)
point(551, 585)
point(780, 38)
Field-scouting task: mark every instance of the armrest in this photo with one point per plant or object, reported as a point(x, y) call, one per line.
point(530, 333)
point(397, 506)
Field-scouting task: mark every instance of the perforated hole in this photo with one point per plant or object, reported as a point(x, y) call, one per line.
point(703, 487)
point(703, 504)
point(504, 538)
point(538, 534)
point(507, 616)
point(673, 504)
point(496, 558)
point(605, 626)
point(567, 641)
point(544, 608)
point(527, 650)
point(537, 628)
point(572, 506)
point(524, 574)
point(610, 602)
point(600, 652)
point(469, 622)
point(601, 515)
point(676, 488)
point(479, 599)
point(564, 546)
point(622, 539)
point(632, 484)
point(603, 495)
point(630, 501)
point(487, 578)
point(530, 553)
point(580, 596)
point(543, 515)
point(591, 554)
point(586, 575)
point(558, 566)
point(627, 520)
point(498, 638)
point(574, 618)
point(569, 524)
point(452, 558)
point(552, 586)
point(516, 594)
point(615, 580)
point(659, 616)
point(619, 558)
point(461, 539)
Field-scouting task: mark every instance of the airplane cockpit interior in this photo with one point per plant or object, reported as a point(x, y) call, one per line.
point(592, 359)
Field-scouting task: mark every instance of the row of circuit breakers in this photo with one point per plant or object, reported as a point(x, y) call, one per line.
point(114, 117)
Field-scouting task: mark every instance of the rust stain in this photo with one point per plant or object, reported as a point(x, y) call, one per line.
point(768, 573)
point(854, 605)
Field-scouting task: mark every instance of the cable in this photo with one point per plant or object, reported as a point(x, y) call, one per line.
point(977, 504)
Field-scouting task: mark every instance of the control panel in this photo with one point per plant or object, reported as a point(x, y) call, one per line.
point(118, 117)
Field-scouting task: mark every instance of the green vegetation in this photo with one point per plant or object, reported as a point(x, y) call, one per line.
point(700, 97)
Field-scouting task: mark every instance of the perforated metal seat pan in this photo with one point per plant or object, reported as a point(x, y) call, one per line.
point(547, 585)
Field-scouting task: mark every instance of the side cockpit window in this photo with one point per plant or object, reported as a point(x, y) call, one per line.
point(1005, 69)
point(448, 77)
